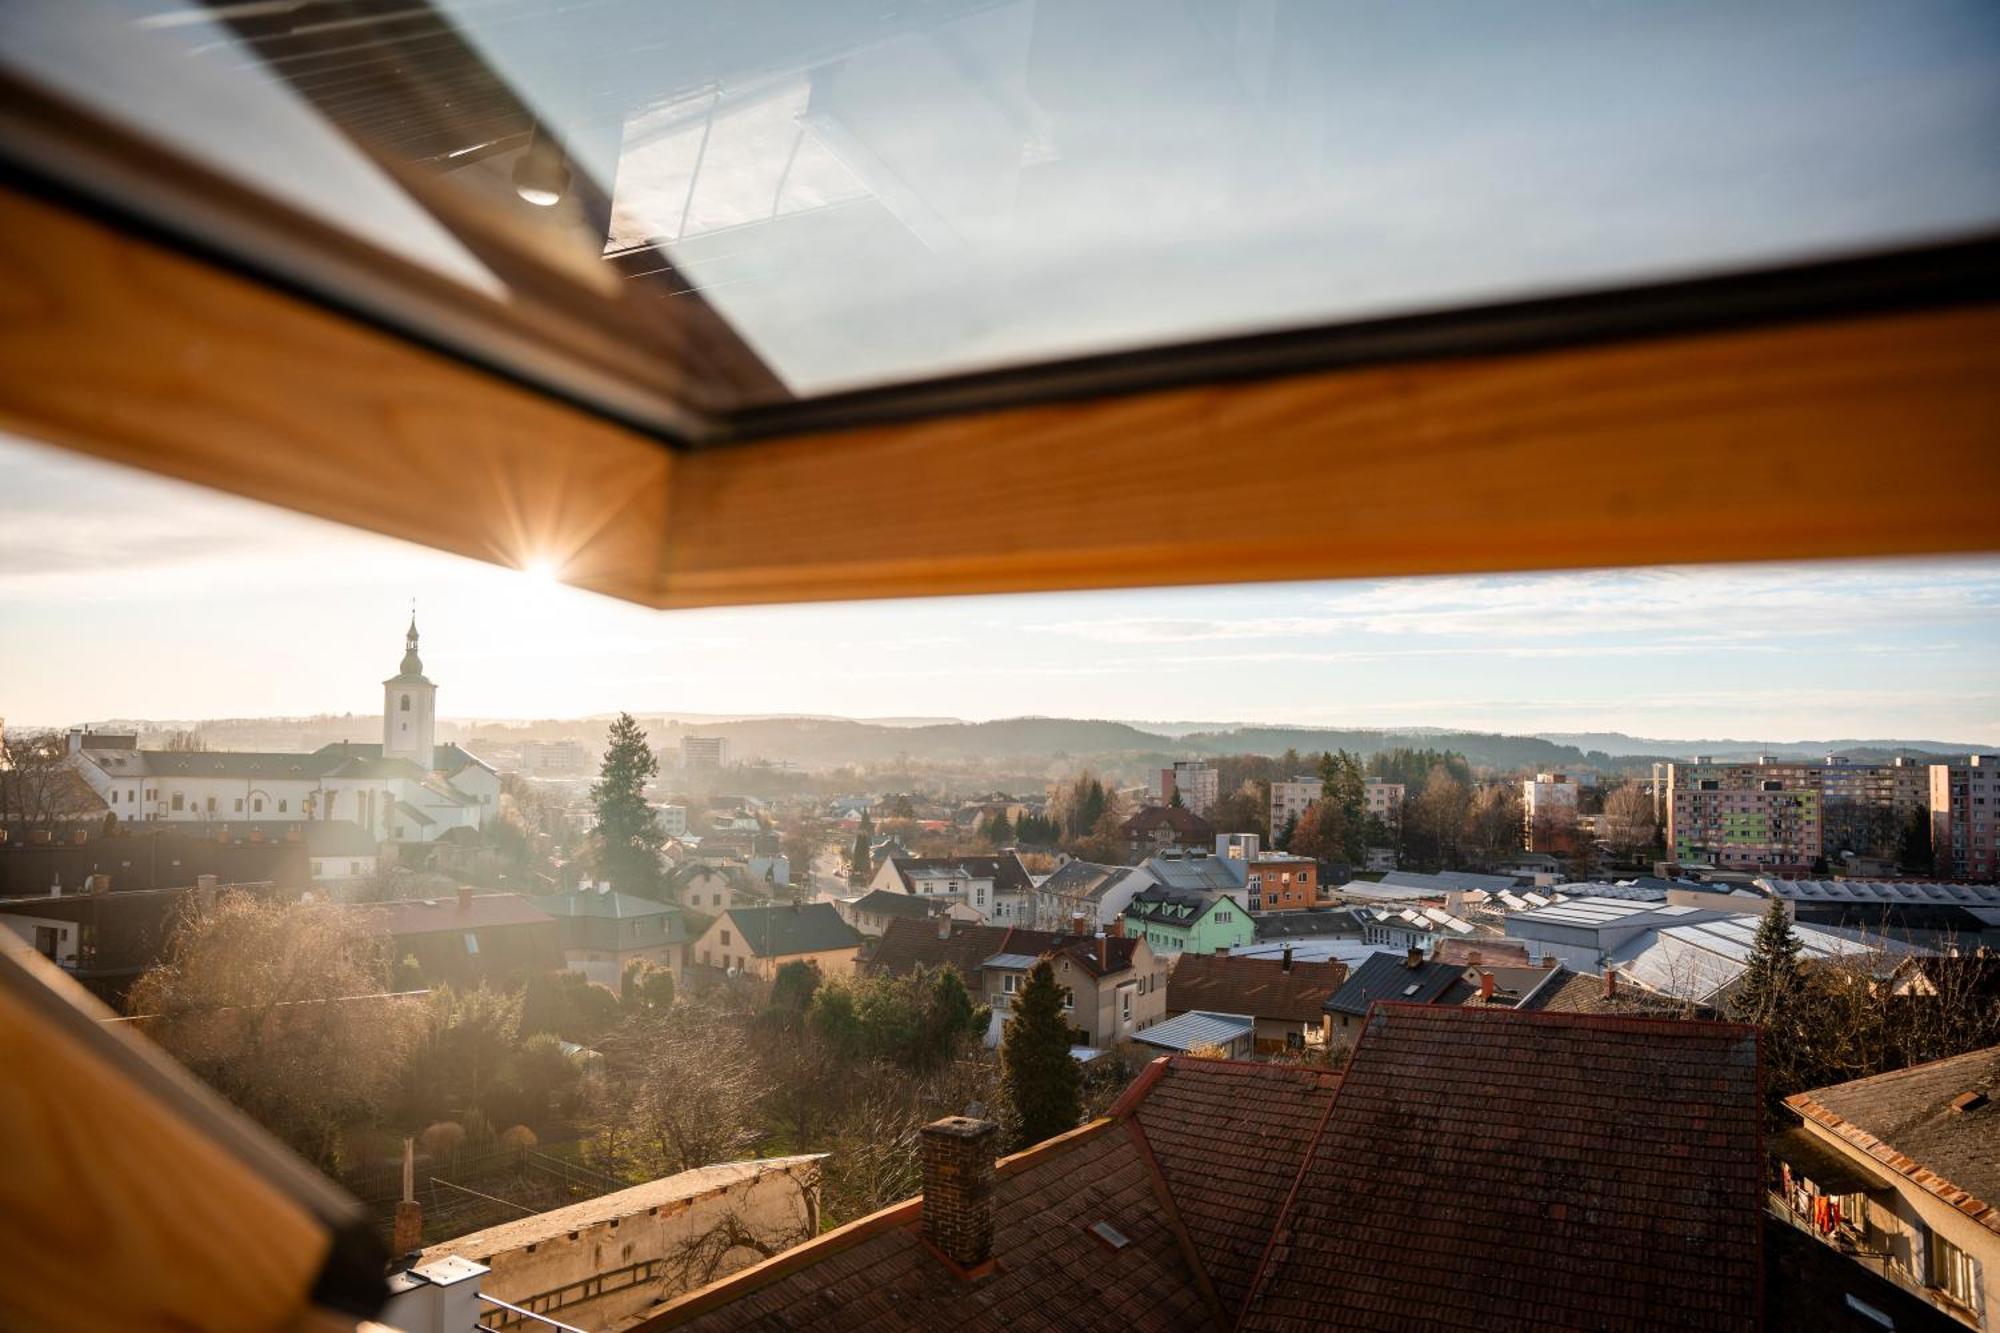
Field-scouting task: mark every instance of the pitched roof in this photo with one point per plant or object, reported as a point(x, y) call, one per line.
point(1262, 987)
point(424, 916)
point(1083, 881)
point(1184, 822)
point(1555, 1170)
point(1428, 1186)
point(1156, 904)
point(887, 902)
point(1230, 1138)
point(1907, 1121)
point(792, 928)
point(1055, 1273)
point(1580, 993)
point(1005, 870)
point(1388, 976)
point(908, 943)
point(230, 764)
point(585, 903)
point(1197, 1030)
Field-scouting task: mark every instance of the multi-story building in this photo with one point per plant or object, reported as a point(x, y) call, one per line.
point(1290, 801)
point(1158, 828)
point(1279, 882)
point(1197, 783)
point(1383, 799)
point(1547, 800)
point(1740, 816)
point(554, 758)
point(1965, 818)
point(1772, 814)
point(704, 752)
point(1866, 808)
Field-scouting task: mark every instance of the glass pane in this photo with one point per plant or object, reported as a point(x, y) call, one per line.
point(870, 194)
point(873, 196)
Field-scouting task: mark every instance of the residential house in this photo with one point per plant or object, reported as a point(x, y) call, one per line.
point(1116, 986)
point(757, 941)
point(997, 887)
point(468, 938)
point(1275, 1199)
point(1095, 892)
point(1157, 828)
point(713, 886)
point(1407, 978)
point(1175, 921)
point(1285, 997)
point(603, 932)
point(872, 912)
point(1902, 1172)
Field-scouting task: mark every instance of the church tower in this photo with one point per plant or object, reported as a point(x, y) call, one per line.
point(409, 709)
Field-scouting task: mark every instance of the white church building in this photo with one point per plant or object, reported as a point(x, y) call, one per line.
point(406, 789)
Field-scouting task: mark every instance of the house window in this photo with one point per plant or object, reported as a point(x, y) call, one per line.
point(725, 939)
point(256, 805)
point(1007, 983)
point(471, 942)
point(284, 806)
point(177, 800)
point(1069, 999)
point(1954, 1272)
point(1125, 1004)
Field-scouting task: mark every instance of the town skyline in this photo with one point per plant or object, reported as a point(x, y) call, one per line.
point(224, 592)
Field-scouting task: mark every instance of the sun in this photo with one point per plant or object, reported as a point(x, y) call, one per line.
point(543, 572)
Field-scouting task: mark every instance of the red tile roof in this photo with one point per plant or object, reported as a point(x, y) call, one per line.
point(1907, 1121)
point(1054, 1274)
point(1230, 1138)
point(1260, 987)
point(1471, 1168)
point(1486, 1168)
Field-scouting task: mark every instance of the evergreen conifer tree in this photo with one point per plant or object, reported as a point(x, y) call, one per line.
point(1037, 1076)
point(629, 838)
point(859, 871)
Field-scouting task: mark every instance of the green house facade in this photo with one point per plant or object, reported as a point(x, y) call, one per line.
point(1174, 921)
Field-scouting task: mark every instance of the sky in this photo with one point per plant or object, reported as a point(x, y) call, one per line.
point(124, 595)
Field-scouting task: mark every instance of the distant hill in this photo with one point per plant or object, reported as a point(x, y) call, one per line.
point(1032, 744)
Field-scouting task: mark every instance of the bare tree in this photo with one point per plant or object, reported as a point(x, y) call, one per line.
point(1629, 826)
point(683, 1091)
point(279, 1007)
point(40, 788)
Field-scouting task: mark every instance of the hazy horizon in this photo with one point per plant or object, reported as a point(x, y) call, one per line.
point(124, 595)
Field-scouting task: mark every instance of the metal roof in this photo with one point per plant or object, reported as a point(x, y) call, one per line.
point(1699, 960)
point(1020, 962)
point(1878, 891)
point(1196, 1028)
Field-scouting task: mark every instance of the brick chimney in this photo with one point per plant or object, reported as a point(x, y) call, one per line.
point(944, 925)
point(1116, 930)
point(1077, 924)
point(1414, 959)
point(1286, 959)
point(409, 1232)
point(1103, 954)
point(1610, 983)
point(957, 1156)
point(1486, 988)
point(465, 897)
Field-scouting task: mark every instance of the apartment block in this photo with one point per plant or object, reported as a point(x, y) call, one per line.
point(1198, 785)
point(1746, 816)
point(704, 752)
point(1384, 799)
point(1865, 808)
point(1542, 796)
point(1965, 818)
point(1290, 801)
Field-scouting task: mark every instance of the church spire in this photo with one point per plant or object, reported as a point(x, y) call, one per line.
point(412, 664)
